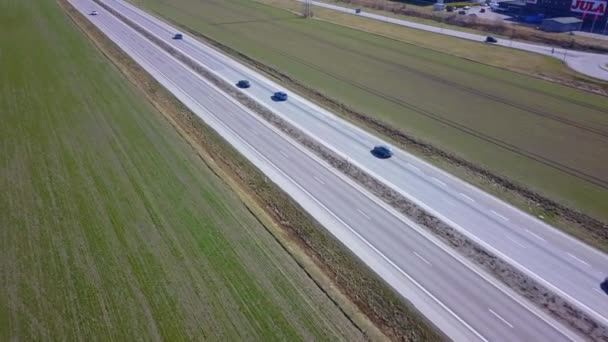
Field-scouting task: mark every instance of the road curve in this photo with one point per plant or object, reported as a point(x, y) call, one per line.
point(586, 63)
point(569, 267)
point(462, 301)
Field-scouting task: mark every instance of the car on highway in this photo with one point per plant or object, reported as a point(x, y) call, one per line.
point(279, 96)
point(358, 10)
point(93, 12)
point(604, 285)
point(243, 84)
point(490, 39)
point(178, 36)
point(382, 152)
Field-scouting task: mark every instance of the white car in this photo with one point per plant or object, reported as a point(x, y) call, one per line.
point(93, 12)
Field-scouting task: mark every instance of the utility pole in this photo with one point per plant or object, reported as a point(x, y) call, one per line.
point(307, 11)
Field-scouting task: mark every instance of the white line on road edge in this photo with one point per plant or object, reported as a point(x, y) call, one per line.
point(412, 167)
point(319, 180)
point(579, 260)
point(362, 213)
point(467, 197)
point(421, 258)
point(499, 215)
point(515, 241)
point(500, 318)
point(536, 236)
point(284, 154)
point(598, 291)
point(438, 181)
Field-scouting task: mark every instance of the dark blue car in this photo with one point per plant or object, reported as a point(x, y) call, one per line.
point(604, 286)
point(279, 96)
point(243, 84)
point(382, 152)
point(178, 36)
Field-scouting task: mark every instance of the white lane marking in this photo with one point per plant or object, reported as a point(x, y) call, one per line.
point(577, 259)
point(319, 180)
point(598, 291)
point(421, 258)
point(500, 318)
point(412, 167)
point(438, 181)
point(515, 241)
point(536, 236)
point(467, 197)
point(255, 132)
point(362, 213)
point(499, 215)
point(284, 154)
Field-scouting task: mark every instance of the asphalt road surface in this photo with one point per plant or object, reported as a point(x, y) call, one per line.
point(463, 302)
point(587, 63)
point(569, 267)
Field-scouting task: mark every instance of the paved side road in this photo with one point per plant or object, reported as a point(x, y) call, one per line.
point(571, 268)
point(590, 64)
point(460, 299)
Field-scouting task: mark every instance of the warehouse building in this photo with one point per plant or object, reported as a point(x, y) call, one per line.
point(562, 24)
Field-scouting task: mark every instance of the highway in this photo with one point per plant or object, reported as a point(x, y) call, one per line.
point(569, 267)
point(587, 63)
point(462, 301)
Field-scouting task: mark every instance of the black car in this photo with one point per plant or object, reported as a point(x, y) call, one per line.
point(382, 152)
point(279, 96)
point(490, 39)
point(178, 36)
point(462, 12)
point(358, 10)
point(243, 84)
point(604, 286)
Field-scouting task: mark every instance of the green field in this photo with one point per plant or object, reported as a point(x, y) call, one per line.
point(111, 227)
point(550, 137)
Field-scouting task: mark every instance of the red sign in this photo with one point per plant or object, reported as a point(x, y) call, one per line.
point(588, 7)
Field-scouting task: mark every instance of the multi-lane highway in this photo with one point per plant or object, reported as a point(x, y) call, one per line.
point(558, 261)
point(461, 300)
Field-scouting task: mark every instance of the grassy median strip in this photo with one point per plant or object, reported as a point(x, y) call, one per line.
point(388, 310)
point(111, 226)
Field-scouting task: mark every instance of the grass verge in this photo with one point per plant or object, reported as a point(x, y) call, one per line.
point(112, 228)
point(380, 303)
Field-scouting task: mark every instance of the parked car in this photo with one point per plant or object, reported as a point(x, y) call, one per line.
point(243, 84)
point(462, 12)
point(450, 8)
point(279, 96)
point(466, 8)
point(483, 10)
point(490, 39)
point(178, 36)
point(93, 12)
point(382, 152)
